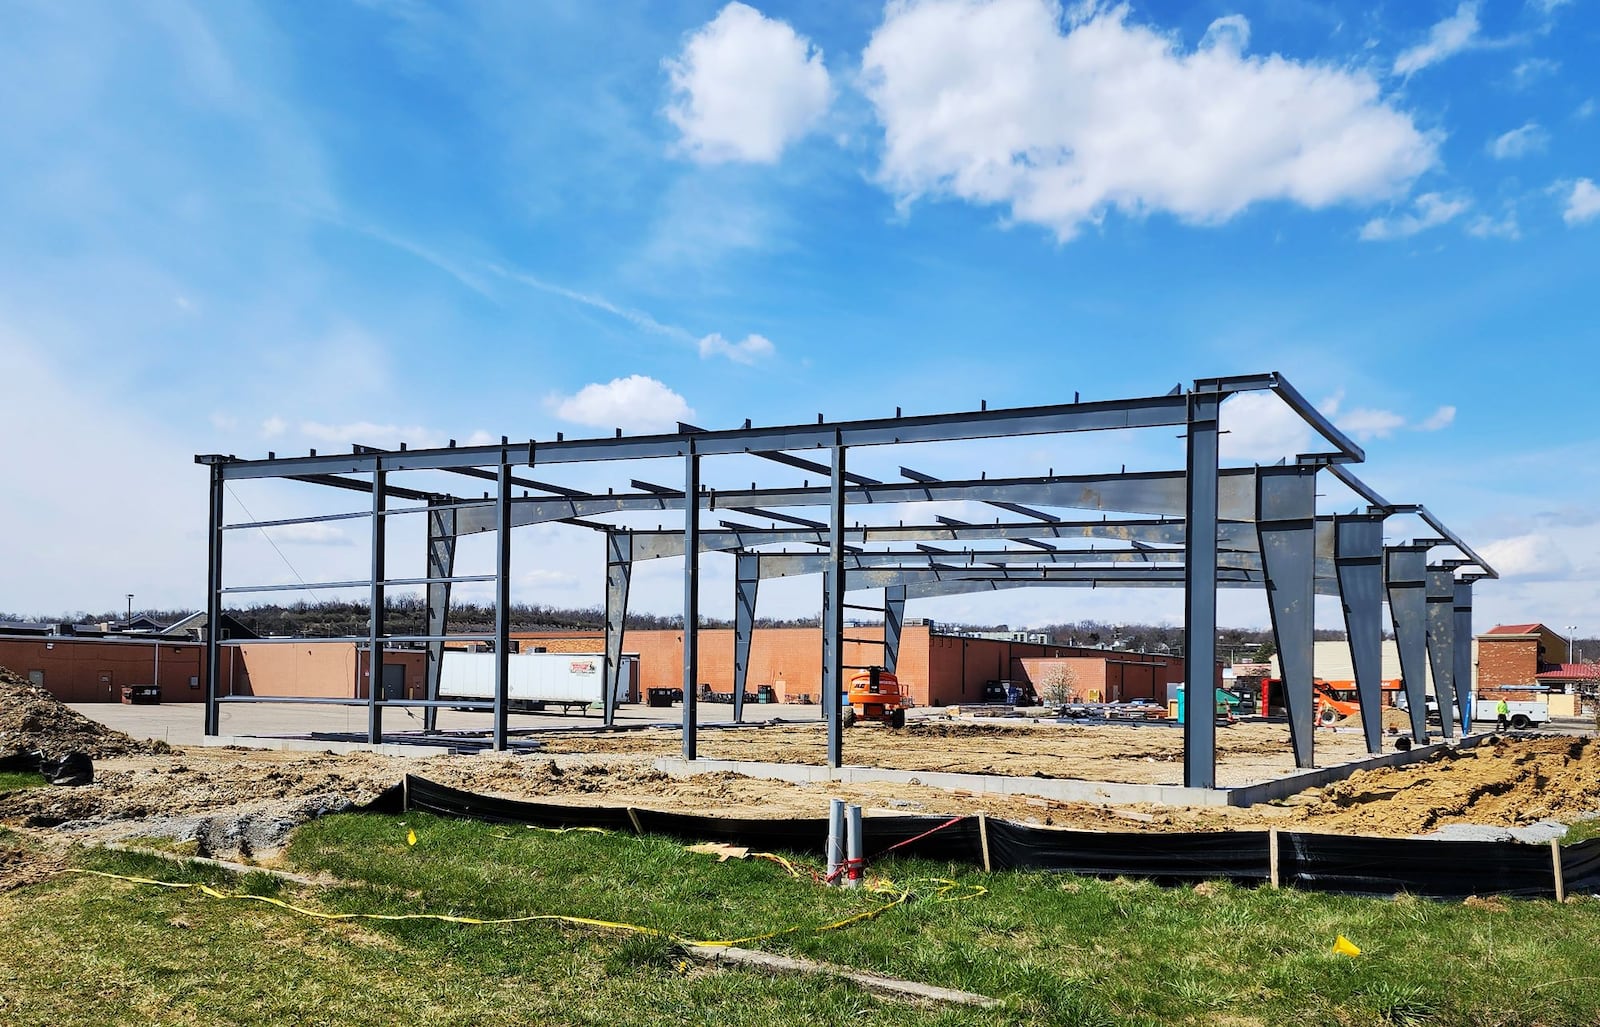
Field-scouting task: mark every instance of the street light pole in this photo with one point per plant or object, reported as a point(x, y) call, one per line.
point(130, 611)
point(1572, 630)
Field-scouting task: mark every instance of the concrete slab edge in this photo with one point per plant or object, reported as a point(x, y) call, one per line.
point(1283, 787)
point(1110, 793)
point(322, 745)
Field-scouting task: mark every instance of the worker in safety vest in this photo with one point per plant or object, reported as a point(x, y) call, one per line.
point(1503, 711)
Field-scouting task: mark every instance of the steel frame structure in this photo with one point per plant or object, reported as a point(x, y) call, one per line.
point(1199, 528)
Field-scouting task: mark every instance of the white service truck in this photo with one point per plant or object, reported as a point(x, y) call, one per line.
point(537, 680)
point(1522, 715)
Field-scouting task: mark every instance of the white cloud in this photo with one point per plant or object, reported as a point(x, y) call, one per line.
point(635, 403)
point(313, 534)
point(1486, 227)
point(1445, 39)
point(1000, 103)
point(1583, 203)
point(746, 86)
point(1548, 6)
point(273, 427)
point(1534, 555)
point(1531, 70)
point(747, 351)
point(1371, 424)
point(1261, 428)
point(1586, 110)
point(366, 433)
point(1429, 211)
point(1440, 418)
point(1519, 142)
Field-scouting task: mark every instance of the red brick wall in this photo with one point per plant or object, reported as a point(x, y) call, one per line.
point(1507, 661)
point(94, 670)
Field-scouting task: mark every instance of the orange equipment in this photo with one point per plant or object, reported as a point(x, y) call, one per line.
point(875, 694)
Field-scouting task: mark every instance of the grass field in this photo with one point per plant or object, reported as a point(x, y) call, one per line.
point(1055, 949)
point(10, 779)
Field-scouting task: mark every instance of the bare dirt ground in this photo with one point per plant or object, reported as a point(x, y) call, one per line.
point(243, 802)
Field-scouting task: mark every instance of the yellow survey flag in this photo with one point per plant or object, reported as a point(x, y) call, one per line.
point(1344, 947)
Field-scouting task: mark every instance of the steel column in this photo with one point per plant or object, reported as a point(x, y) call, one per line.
point(746, 583)
point(441, 564)
point(894, 614)
point(833, 613)
point(1405, 579)
point(1465, 686)
point(619, 575)
point(502, 606)
point(1358, 558)
point(1200, 589)
point(1286, 510)
point(214, 603)
point(375, 627)
point(691, 600)
point(1441, 593)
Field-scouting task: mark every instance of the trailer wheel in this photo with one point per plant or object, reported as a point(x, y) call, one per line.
point(1329, 715)
point(1520, 721)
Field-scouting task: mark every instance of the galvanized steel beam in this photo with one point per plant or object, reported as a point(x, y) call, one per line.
point(214, 601)
point(1441, 599)
point(1200, 585)
point(833, 613)
point(1286, 521)
point(441, 565)
point(1359, 558)
point(894, 614)
point(691, 605)
point(502, 610)
point(1462, 665)
point(375, 627)
point(1405, 579)
point(619, 574)
point(746, 585)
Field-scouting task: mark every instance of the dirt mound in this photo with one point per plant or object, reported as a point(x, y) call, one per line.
point(31, 719)
point(1499, 782)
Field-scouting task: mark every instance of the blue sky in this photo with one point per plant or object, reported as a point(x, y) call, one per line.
point(240, 227)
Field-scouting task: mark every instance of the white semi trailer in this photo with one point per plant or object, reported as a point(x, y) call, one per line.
point(537, 680)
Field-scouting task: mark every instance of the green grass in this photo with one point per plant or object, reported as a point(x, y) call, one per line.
point(10, 780)
point(1056, 949)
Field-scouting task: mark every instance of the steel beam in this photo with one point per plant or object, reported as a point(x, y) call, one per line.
point(833, 613)
point(1200, 588)
point(1359, 558)
point(1405, 579)
point(441, 565)
point(1286, 520)
point(619, 575)
point(1156, 493)
point(1441, 600)
point(375, 626)
point(214, 602)
point(502, 610)
point(894, 615)
point(746, 583)
point(691, 603)
point(1462, 665)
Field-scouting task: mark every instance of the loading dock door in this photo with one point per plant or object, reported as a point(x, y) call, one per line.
point(394, 681)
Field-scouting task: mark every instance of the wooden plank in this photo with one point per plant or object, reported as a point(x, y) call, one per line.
point(1555, 861)
point(983, 837)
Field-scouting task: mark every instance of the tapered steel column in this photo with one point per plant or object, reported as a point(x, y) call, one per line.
point(1466, 688)
point(502, 606)
point(441, 564)
point(1286, 512)
point(375, 631)
point(214, 603)
point(746, 583)
point(833, 614)
point(1358, 561)
point(619, 574)
point(1200, 590)
point(691, 600)
point(1441, 592)
point(894, 615)
point(1405, 578)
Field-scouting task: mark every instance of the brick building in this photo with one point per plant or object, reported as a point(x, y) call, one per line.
point(940, 669)
point(1513, 656)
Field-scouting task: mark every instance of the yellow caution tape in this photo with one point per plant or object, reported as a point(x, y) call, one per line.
point(901, 897)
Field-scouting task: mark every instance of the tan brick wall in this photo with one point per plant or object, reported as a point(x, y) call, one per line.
point(94, 670)
point(1508, 661)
